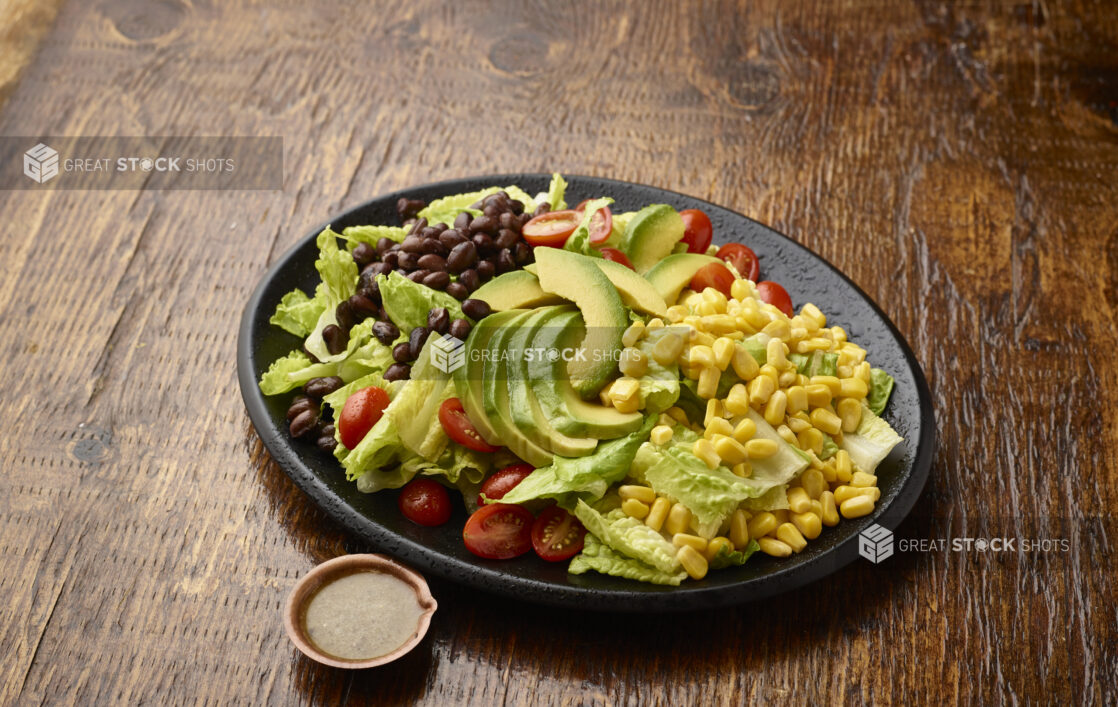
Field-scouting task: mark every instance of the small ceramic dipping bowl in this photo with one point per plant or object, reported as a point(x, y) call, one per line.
point(305, 589)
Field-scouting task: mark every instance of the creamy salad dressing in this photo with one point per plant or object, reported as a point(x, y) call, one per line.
point(362, 615)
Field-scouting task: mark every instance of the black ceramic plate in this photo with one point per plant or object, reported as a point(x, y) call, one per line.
point(375, 518)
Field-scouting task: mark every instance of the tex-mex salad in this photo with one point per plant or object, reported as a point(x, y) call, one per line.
point(608, 389)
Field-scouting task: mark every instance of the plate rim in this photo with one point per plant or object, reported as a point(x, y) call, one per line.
point(492, 579)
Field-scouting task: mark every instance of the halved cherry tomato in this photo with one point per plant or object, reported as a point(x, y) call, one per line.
point(498, 531)
point(601, 225)
point(362, 410)
point(616, 256)
point(697, 230)
point(775, 295)
point(503, 481)
point(742, 258)
point(715, 275)
point(557, 535)
point(551, 229)
point(425, 502)
point(459, 428)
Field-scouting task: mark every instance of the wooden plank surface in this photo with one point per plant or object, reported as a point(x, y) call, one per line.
point(957, 161)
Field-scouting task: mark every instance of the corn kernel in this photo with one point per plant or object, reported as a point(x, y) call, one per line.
point(668, 348)
point(739, 290)
point(695, 564)
point(624, 388)
point(809, 524)
point(737, 400)
point(677, 414)
point(630, 405)
point(844, 371)
point(797, 399)
point(778, 328)
point(830, 512)
point(723, 352)
point(742, 469)
point(833, 384)
point(603, 394)
point(775, 354)
point(856, 353)
point(701, 338)
point(853, 388)
point(838, 334)
point(826, 421)
point(818, 395)
point(708, 382)
point(745, 430)
point(692, 541)
point(706, 309)
point(798, 500)
point(774, 547)
point(719, 324)
point(739, 528)
point(744, 364)
point(654, 324)
point(644, 494)
point(828, 471)
point(634, 333)
point(702, 356)
point(787, 434)
point(729, 449)
point(771, 371)
point(762, 524)
point(811, 439)
point(863, 372)
point(797, 425)
point(775, 407)
point(717, 545)
point(634, 508)
point(811, 312)
point(813, 483)
point(863, 480)
point(633, 362)
point(761, 448)
point(781, 515)
point(797, 334)
point(850, 412)
point(845, 493)
point(756, 319)
point(661, 435)
point(713, 411)
point(718, 426)
point(856, 507)
point(788, 534)
point(843, 466)
point(658, 514)
point(704, 449)
point(761, 389)
point(679, 519)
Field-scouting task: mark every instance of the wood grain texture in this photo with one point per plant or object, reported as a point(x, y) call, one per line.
point(957, 161)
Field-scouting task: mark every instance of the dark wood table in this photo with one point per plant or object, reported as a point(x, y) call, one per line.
point(957, 162)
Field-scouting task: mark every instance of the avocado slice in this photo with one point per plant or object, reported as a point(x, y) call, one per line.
point(523, 405)
point(635, 291)
point(495, 393)
point(673, 273)
point(515, 290)
point(577, 278)
point(559, 402)
point(468, 378)
point(651, 235)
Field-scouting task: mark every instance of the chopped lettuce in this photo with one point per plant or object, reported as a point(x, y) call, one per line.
point(829, 447)
point(556, 192)
point(579, 241)
point(446, 209)
point(871, 442)
point(375, 463)
point(756, 346)
point(292, 371)
point(816, 363)
point(881, 387)
point(415, 408)
point(407, 303)
point(297, 313)
point(630, 537)
point(659, 386)
point(339, 280)
point(599, 557)
point(355, 235)
point(729, 558)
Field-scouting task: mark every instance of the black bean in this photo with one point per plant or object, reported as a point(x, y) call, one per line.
point(523, 253)
point(462, 220)
point(438, 319)
point(321, 387)
point(345, 315)
point(386, 332)
point(418, 275)
point(370, 291)
point(541, 209)
point(364, 254)
point(336, 339)
point(303, 423)
point(469, 279)
point(440, 227)
point(485, 270)
point(408, 261)
point(299, 405)
point(458, 291)
point(409, 208)
point(510, 222)
point(507, 238)
point(484, 244)
point(437, 280)
point(462, 256)
point(429, 232)
point(390, 260)
point(401, 352)
point(362, 307)
point(383, 244)
point(432, 262)
point(416, 339)
point(381, 268)
point(411, 244)
point(326, 429)
point(397, 371)
point(451, 238)
point(525, 218)
point(431, 245)
point(327, 443)
point(418, 226)
point(483, 224)
point(492, 210)
point(476, 309)
point(517, 206)
point(505, 261)
point(460, 329)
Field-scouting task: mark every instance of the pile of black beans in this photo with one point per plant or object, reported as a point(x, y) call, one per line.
point(304, 418)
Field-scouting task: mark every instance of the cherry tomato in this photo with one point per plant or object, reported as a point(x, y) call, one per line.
point(713, 275)
point(498, 531)
point(742, 258)
point(616, 256)
point(503, 481)
point(425, 502)
point(557, 535)
point(551, 229)
point(601, 225)
point(697, 230)
point(459, 428)
point(775, 295)
point(362, 410)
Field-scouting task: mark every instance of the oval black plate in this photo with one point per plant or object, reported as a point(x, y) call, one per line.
point(375, 518)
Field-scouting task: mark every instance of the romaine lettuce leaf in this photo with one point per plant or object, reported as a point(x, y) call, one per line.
point(371, 234)
point(376, 463)
point(600, 558)
point(728, 558)
point(871, 442)
point(630, 537)
point(292, 371)
point(446, 209)
point(816, 363)
point(415, 408)
point(556, 191)
point(339, 280)
point(659, 386)
point(297, 313)
point(881, 387)
point(407, 303)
